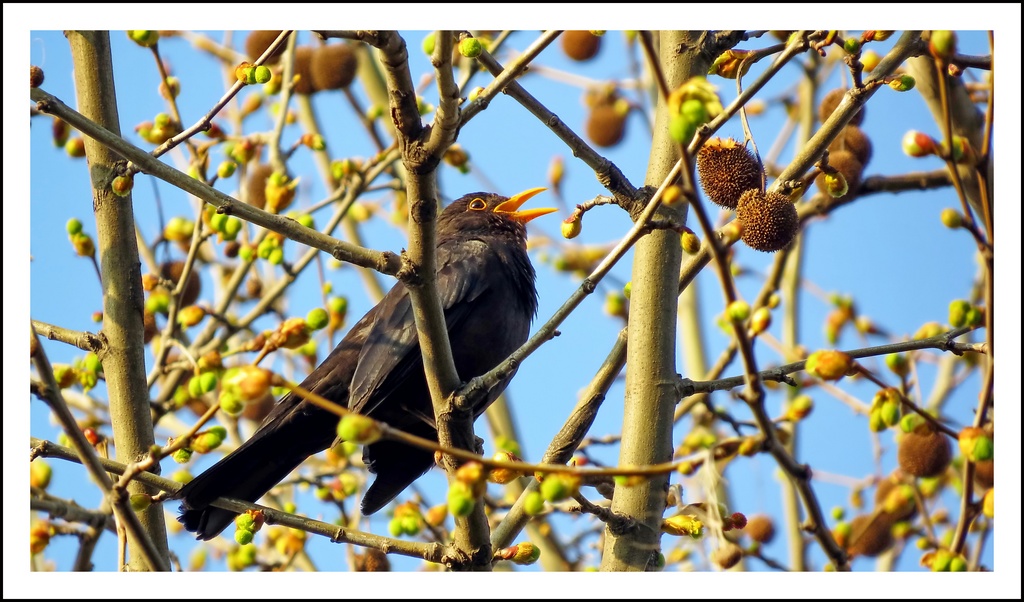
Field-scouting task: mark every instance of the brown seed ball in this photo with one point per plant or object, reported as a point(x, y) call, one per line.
point(605, 125)
point(924, 452)
point(853, 139)
point(831, 101)
point(727, 556)
point(172, 271)
point(727, 169)
point(870, 535)
point(257, 43)
point(148, 327)
point(372, 561)
point(760, 528)
point(303, 70)
point(259, 409)
point(580, 45)
point(333, 67)
point(256, 185)
point(984, 473)
point(847, 164)
point(35, 76)
point(769, 221)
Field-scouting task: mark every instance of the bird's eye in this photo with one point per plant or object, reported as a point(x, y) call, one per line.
point(477, 205)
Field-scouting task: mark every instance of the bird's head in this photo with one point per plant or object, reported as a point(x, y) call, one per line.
point(491, 213)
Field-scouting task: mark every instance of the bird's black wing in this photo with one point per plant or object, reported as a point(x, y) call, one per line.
point(392, 350)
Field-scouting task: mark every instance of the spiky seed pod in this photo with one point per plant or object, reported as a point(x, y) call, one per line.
point(769, 221)
point(924, 452)
point(846, 163)
point(256, 185)
point(304, 71)
point(853, 139)
point(760, 528)
point(333, 67)
point(870, 535)
point(35, 76)
point(605, 125)
point(726, 170)
point(580, 45)
point(257, 43)
point(172, 271)
point(831, 101)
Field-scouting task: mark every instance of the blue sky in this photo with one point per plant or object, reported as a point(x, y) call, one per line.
point(889, 251)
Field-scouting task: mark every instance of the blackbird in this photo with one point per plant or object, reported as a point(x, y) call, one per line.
point(486, 285)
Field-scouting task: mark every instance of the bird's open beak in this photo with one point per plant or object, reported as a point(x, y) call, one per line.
point(510, 208)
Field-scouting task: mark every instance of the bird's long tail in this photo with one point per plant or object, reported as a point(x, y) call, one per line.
point(396, 465)
point(252, 470)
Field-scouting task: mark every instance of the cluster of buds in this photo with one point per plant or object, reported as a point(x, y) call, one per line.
point(407, 520)
point(202, 383)
point(241, 385)
point(964, 313)
point(160, 130)
point(691, 105)
point(975, 444)
point(280, 191)
point(886, 409)
point(252, 74)
point(226, 226)
point(82, 242)
point(208, 440)
point(345, 485)
point(944, 561)
point(246, 526)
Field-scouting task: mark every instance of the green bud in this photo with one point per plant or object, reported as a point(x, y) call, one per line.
point(181, 456)
point(140, 501)
point(358, 429)
point(143, 37)
point(958, 309)
point(738, 311)
point(902, 83)
point(470, 47)
point(262, 74)
point(460, 499)
point(243, 537)
point(226, 169)
point(317, 318)
point(74, 226)
point(534, 503)
point(951, 218)
point(428, 43)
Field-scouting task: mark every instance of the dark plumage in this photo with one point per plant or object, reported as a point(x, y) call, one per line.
point(486, 285)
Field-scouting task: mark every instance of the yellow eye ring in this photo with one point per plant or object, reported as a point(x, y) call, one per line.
point(477, 205)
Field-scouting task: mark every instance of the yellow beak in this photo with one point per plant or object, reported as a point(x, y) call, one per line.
point(510, 208)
